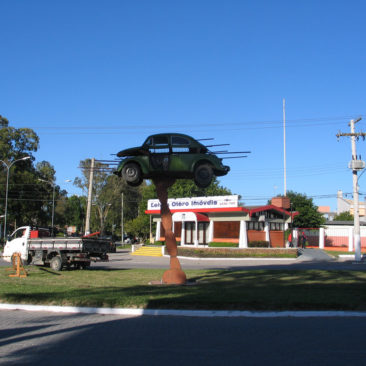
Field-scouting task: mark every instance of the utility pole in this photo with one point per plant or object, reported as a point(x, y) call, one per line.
point(122, 226)
point(284, 147)
point(355, 165)
point(88, 207)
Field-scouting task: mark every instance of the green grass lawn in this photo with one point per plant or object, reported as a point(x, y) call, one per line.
point(212, 289)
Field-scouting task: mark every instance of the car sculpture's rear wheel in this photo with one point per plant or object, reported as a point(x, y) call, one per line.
point(131, 173)
point(203, 175)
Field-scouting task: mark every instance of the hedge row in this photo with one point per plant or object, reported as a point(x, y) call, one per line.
point(258, 244)
point(215, 244)
point(238, 253)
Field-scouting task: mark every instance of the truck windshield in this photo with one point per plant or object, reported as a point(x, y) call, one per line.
point(18, 234)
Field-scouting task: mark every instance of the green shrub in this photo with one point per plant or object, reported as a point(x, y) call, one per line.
point(238, 253)
point(258, 244)
point(216, 244)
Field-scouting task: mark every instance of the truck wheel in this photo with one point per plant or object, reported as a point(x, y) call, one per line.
point(131, 173)
point(203, 175)
point(85, 265)
point(56, 263)
point(29, 259)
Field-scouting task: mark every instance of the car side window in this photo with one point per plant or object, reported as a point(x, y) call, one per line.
point(179, 140)
point(159, 145)
point(160, 141)
point(159, 150)
point(176, 149)
point(180, 144)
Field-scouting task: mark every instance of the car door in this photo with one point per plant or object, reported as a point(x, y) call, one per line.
point(159, 153)
point(17, 243)
point(181, 157)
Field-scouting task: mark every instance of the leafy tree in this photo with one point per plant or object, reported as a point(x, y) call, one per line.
point(140, 225)
point(27, 196)
point(46, 171)
point(3, 121)
point(344, 216)
point(308, 217)
point(107, 197)
point(17, 143)
point(74, 212)
point(110, 203)
point(51, 193)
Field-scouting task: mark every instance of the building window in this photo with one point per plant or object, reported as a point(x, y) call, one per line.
point(255, 225)
point(276, 226)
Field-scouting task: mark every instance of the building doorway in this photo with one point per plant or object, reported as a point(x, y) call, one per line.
point(202, 232)
point(190, 232)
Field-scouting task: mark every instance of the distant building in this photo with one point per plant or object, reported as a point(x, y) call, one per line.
point(346, 205)
point(325, 211)
point(201, 220)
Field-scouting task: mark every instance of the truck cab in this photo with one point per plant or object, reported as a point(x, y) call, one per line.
point(17, 242)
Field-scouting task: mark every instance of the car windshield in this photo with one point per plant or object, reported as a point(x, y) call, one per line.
point(18, 234)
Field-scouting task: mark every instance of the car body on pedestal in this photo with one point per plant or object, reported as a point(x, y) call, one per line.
point(170, 154)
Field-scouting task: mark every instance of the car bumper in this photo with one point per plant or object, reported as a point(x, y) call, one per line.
point(220, 172)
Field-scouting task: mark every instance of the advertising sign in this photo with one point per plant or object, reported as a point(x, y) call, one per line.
point(189, 203)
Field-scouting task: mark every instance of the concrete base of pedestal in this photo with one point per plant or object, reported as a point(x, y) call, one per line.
point(174, 277)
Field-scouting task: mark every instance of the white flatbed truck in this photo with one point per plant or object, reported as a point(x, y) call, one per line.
point(36, 246)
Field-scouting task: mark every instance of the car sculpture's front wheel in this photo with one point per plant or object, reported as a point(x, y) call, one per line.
point(131, 173)
point(203, 175)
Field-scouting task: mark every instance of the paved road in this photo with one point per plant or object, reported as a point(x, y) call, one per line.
point(311, 259)
point(42, 338)
point(123, 259)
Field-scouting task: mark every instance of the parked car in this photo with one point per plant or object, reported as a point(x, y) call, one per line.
point(170, 154)
point(130, 239)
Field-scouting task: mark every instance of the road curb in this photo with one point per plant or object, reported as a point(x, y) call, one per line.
point(233, 259)
point(189, 313)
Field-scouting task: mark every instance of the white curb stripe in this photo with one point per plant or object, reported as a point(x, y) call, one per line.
point(190, 313)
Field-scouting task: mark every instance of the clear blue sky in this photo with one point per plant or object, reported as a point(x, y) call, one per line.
point(94, 77)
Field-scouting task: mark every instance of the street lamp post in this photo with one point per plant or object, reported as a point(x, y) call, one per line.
point(53, 199)
point(8, 166)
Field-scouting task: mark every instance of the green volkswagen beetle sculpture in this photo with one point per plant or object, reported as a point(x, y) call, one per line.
point(170, 154)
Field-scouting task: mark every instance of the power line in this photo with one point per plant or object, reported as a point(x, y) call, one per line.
point(300, 122)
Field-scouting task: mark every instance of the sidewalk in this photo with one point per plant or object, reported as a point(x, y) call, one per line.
point(314, 255)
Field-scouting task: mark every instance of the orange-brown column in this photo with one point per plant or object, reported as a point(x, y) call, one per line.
point(174, 275)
